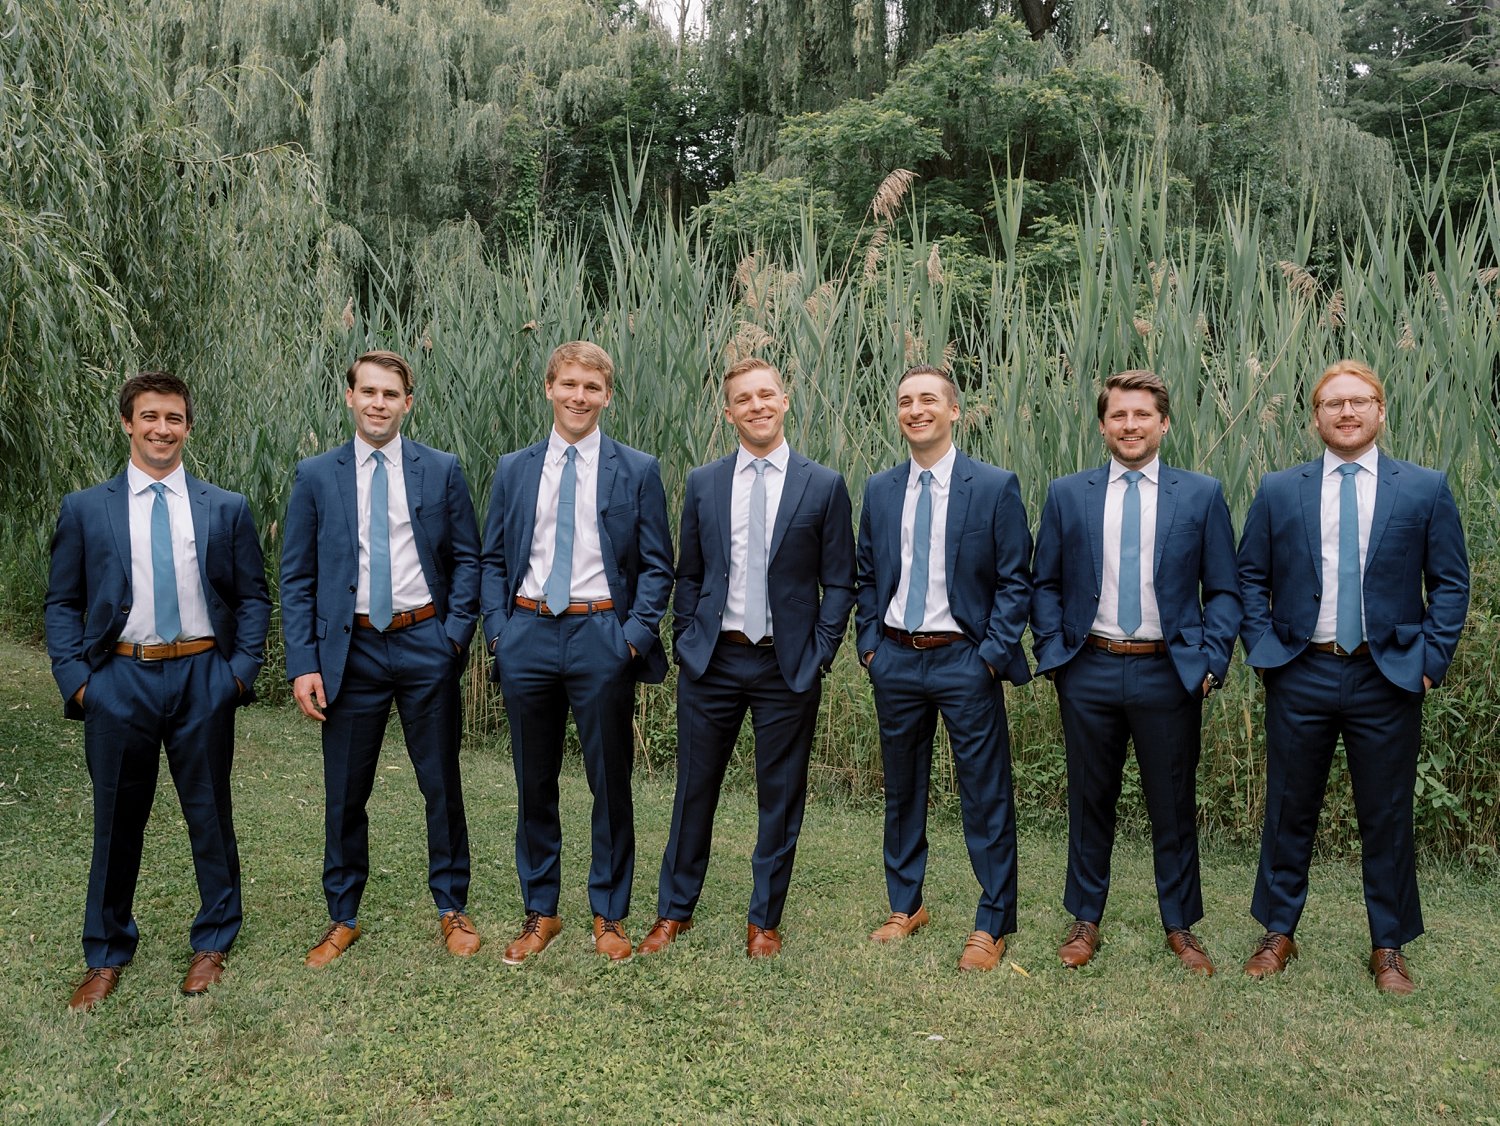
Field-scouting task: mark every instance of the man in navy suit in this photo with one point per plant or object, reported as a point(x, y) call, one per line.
point(379, 597)
point(156, 619)
point(577, 572)
point(1356, 583)
point(1134, 617)
point(944, 591)
point(765, 584)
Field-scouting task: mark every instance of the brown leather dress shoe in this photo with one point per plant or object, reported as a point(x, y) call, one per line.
point(537, 933)
point(459, 934)
point(97, 984)
point(981, 952)
point(1184, 943)
point(1080, 944)
point(1388, 965)
point(662, 934)
point(611, 940)
point(336, 939)
point(206, 968)
point(762, 942)
point(901, 925)
point(1272, 953)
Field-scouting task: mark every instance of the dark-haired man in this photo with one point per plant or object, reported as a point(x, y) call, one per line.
point(156, 619)
point(944, 590)
point(1134, 617)
point(379, 599)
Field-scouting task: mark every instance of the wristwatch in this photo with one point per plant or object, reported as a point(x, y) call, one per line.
point(1213, 685)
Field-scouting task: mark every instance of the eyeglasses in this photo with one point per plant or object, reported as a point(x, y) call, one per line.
point(1359, 404)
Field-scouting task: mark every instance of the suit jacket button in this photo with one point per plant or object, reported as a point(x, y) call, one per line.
point(346, 629)
point(124, 609)
point(354, 590)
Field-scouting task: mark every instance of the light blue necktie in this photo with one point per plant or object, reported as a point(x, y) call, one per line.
point(757, 611)
point(163, 568)
point(1349, 629)
point(1130, 555)
point(559, 583)
point(380, 545)
point(921, 554)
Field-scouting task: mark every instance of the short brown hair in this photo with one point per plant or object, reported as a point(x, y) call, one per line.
point(392, 361)
point(745, 367)
point(584, 354)
point(1137, 379)
point(1348, 367)
point(929, 369)
point(157, 382)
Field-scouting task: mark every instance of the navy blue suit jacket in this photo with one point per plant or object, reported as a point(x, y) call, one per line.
point(320, 554)
point(987, 560)
point(88, 590)
point(1416, 545)
point(634, 537)
point(812, 547)
point(1193, 567)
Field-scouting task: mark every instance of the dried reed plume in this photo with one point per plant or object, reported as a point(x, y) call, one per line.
point(934, 266)
point(1142, 326)
point(1333, 316)
point(888, 196)
point(1299, 279)
point(873, 251)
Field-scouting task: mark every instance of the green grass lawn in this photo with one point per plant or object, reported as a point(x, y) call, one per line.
point(837, 1029)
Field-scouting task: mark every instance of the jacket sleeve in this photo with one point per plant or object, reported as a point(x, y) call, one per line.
point(299, 578)
point(653, 587)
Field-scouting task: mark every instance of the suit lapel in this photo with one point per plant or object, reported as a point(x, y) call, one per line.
point(1095, 489)
point(604, 485)
point(412, 473)
point(202, 523)
point(798, 474)
point(531, 485)
point(348, 489)
point(959, 490)
point(1310, 490)
point(722, 480)
point(118, 509)
point(895, 490)
point(1166, 511)
point(1387, 485)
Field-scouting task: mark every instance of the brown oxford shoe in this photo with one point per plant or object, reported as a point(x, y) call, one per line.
point(537, 933)
point(981, 952)
point(97, 984)
point(336, 939)
point(611, 940)
point(1388, 965)
point(206, 968)
point(662, 934)
point(1272, 953)
point(1079, 945)
point(762, 942)
point(901, 925)
point(459, 934)
point(1184, 943)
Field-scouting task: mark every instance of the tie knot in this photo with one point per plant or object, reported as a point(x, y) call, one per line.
point(378, 457)
point(1349, 468)
point(1132, 476)
point(571, 453)
point(925, 477)
point(760, 464)
point(158, 488)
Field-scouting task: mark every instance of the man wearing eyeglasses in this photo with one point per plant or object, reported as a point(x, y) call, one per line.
point(1355, 581)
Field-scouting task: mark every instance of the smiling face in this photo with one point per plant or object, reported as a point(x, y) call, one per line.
point(926, 410)
point(158, 427)
point(1348, 432)
point(578, 396)
point(380, 402)
point(1133, 427)
point(757, 405)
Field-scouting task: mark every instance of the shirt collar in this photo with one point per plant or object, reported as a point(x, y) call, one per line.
point(1369, 461)
point(588, 448)
point(391, 451)
point(941, 471)
point(139, 480)
point(1151, 471)
point(777, 457)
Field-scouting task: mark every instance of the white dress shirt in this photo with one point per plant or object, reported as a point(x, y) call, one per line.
point(1364, 489)
point(589, 582)
point(939, 615)
point(408, 585)
point(140, 623)
point(1107, 620)
point(739, 525)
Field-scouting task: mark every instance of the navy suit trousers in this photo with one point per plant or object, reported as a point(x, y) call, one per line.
point(548, 665)
point(414, 667)
point(911, 688)
point(132, 709)
point(1310, 703)
point(710, 712)
point(1106, 701)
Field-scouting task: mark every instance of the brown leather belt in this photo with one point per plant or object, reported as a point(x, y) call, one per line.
point(739, 637)
point(933, 640)
point(1360, 650)
point(169, 651)
point(1126, 648)
point(400, 620)
point(598, 606)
